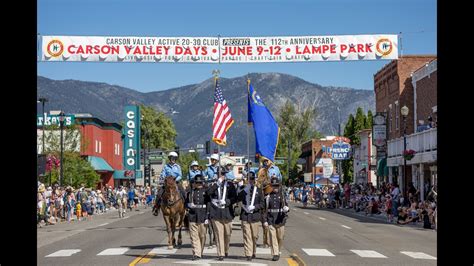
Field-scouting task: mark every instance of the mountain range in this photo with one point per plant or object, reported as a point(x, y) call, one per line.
point(191, 106)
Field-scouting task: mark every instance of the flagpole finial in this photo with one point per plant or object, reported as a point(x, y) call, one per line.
point(216, 73)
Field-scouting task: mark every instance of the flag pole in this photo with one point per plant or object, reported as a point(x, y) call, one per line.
point(216, 73)
point(248, 126)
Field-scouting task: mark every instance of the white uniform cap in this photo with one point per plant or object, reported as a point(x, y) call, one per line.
point(194, 163)
point(215, 156)
point(174, 154)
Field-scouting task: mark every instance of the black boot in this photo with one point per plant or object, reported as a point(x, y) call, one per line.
point(276, 257)
point(220, 258)
point(227, 255)
point(249, 258)
point(253, 256)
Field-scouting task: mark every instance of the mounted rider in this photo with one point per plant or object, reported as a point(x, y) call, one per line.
point(171, 169)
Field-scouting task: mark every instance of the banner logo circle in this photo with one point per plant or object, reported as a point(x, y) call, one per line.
point(384, 46)
point(55, 48)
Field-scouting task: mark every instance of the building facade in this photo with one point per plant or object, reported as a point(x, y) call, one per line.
point(394, 88)
point(313, 152)
point(365, 159)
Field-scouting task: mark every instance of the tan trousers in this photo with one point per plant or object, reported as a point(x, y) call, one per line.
point(198, 237)
point(266, 236)
point(250, 231)
point(277, 233)
point(223, 230)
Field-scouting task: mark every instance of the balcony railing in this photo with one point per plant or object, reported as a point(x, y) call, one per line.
point(420, 142)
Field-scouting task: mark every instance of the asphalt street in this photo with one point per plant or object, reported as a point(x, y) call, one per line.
point(312, 236)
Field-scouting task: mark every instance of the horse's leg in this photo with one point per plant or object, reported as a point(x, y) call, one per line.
point(168, 229)
point(181, 220)
point(173, 228)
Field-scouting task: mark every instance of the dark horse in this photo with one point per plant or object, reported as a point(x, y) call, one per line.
point(173, 211)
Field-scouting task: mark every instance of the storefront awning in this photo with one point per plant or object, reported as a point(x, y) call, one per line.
point(99, 164)
point(120, 174)
point(382, 169)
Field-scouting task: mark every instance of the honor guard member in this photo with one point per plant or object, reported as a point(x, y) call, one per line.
point(276, 215)
point(197, 203)
point(212, 170)
point(223, 195)
point(193, 171)
point(252, 202)
point(174, 170)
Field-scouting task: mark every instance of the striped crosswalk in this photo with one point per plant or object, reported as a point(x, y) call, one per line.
point(366, 253)
point(163, 250)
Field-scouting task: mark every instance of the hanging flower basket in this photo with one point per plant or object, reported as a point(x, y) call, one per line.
point(408, 154)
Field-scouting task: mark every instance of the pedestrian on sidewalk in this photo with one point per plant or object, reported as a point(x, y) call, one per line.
point(197, 203)
point(223, 195)
point(276, 215)
point(252, 202)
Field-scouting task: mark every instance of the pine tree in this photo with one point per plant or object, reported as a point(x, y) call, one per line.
point(370, 120)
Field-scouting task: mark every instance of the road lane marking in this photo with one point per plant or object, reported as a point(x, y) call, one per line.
point(345, 226)
point(264, 251)
point(210, 250)
point(306, 213)
point(113, 251)
point(418, 255)
point(322, 218)
point(64, 253)
point(318, 252)
point(126, 217)
point(210, 262)
point(368, 253)
point(291, 262)
point(163, 251)
point(103, 224)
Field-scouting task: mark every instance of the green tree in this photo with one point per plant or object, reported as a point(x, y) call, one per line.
point(359, 124)
point(370, 120)
point(77, 171)
point(295, 129)
point(159, 127)
point(347, 165)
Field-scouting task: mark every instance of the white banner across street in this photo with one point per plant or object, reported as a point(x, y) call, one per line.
point(219, 50)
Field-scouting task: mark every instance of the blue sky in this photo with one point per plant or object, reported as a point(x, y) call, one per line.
point(416, 19)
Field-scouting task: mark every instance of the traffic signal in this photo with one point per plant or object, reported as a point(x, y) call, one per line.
point(147, 170)
point(152, 171)
point(208, 147)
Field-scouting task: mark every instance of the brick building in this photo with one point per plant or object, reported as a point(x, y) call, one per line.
point(394, 89)
point(311, 151)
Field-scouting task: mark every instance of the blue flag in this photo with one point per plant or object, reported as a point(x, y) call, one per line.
point(264, 125)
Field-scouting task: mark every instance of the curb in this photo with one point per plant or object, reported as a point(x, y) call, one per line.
point(298, 259)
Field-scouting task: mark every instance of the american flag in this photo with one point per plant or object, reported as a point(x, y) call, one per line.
point(222, 118)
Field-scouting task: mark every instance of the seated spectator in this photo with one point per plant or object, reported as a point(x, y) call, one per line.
point(372, 207)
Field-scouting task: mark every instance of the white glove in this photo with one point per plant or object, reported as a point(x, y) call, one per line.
point(241, 183)
point(286, 209)
point(191, 205)
point(206, 221)
point(222, 202)
point(251, 208)
point(265, 224)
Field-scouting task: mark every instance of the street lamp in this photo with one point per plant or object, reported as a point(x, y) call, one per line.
point(404, 112)
point(42, 101)
point(61, 125)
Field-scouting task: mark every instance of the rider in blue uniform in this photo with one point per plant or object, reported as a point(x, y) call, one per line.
point(193, 171)
point(211, 172)
point(174, 170)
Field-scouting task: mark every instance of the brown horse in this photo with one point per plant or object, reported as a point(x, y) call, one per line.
point(173, 211)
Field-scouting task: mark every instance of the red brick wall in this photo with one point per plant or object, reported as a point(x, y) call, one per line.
point(108, 137)
point(426, 96)
point(393, 83)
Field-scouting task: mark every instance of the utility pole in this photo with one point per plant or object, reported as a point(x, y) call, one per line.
point(289, 158)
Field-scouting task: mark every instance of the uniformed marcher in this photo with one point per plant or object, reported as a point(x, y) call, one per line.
point(197, 203)
point(223, 195)
point(193, 171)
point(170, 169)
point(273, 170)
point(276, 214)
point(252, 202)
point(212, 170)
